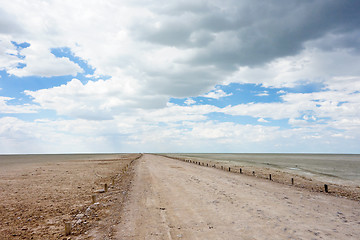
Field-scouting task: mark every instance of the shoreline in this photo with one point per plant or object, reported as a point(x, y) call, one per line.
point(349, 191)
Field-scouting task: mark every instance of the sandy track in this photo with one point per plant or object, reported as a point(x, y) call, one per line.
point(172, 199)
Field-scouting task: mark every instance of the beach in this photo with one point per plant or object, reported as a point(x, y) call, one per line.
point(157, 197)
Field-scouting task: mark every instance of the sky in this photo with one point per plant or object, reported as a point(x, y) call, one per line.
point(266, 76)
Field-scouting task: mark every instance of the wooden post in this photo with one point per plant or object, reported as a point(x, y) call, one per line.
point(67, 228)
point(292, 181)
point(229, 169)
point(326, 188)
point(270, 177)
point(221, 167)
point(240, 171)
point(93, 198)
point(113, 181)
point(105, 187)
point(207, 164)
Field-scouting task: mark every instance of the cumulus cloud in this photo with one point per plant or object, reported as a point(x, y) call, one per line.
point(189, 101)
point(157, 50)
point(262, 120)
point(216, 94)
point(39, 61)
point(338, 103)
point(102, 99)
point(8, 53)
point(173, 45)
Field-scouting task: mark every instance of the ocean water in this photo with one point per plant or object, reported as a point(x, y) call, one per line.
point(337, 168)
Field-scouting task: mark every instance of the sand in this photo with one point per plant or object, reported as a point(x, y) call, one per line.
point(172, 199)
point(36, 197)
point(340, 187)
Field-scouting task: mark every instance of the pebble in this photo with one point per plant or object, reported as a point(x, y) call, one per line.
point(80, 215)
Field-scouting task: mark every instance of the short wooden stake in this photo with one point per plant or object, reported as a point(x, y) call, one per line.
point(270, 177)
point(105, 187)
point(229, 169)
point(113, 181)
point(240, 171)
point(207, 164)
point(292, 181)
point(93, 198)
point(222, 167)
point(326, 188)
point(67, 228)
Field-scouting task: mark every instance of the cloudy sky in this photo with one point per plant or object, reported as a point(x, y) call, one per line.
point(179, 76)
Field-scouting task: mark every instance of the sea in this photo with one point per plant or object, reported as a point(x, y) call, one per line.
point(335, 168)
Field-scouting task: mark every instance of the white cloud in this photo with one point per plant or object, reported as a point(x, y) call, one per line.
point(41, 62)
point(262, 120)
point(189, 101)
point(217, 94)
point(8, 53)
point(100, 99)
point(25, 108)
point(263, 94)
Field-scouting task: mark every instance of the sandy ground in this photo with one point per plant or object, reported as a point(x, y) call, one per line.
point(37, 197)
point(340, 187)
point(172, 199)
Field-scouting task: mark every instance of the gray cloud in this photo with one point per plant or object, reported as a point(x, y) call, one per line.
point(239, 33)
point(8, 23)
point(182, 84)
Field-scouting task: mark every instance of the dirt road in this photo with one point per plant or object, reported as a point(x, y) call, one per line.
point(171, 199)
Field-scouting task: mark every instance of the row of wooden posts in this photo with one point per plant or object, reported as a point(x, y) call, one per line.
point(93, 200)
point(326, 187)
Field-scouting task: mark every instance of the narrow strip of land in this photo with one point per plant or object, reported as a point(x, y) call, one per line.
point(171, 199)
